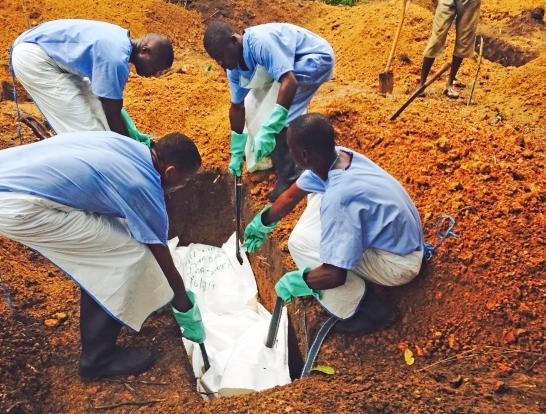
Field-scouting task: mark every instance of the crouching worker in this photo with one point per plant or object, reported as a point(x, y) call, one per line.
point(93, 204)
point(360, 225)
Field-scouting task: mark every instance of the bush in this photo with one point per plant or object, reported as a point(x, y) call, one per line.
point(342, 2)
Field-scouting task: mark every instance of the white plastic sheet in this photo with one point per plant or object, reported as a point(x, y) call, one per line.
point(259, 103)
point(236, 324)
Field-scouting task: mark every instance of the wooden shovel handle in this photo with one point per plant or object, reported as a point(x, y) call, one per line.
point(396, 36)
point(476, 75)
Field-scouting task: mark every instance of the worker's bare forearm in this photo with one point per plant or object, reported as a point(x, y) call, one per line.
point(287, 91)
point(164, 258)
point(286, 202)
point(112, 110)
point(237, 117)
point(326, 277)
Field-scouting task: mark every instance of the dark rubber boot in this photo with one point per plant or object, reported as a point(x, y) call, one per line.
point(101, 357)
point(287, 170)
point(374, 314)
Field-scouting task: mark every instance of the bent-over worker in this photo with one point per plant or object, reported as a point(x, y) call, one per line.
point(284, 65)
point(360, 225)
point(76, 70)
point(93, 204)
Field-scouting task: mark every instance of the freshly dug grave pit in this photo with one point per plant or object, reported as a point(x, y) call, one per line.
point(203, 212)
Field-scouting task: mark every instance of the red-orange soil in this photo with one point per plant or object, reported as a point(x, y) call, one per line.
point(475, 319)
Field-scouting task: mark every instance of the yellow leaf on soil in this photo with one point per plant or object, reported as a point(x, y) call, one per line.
point(408, 356)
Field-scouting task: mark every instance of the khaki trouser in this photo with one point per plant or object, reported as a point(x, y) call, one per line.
point(376, 266)
point(466, 14)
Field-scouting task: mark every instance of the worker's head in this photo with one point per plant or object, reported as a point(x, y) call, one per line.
point(152, 54)
point(177, 160)
point(311, 140)
point(223, 45)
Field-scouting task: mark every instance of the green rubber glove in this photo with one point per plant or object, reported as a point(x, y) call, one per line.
point(256, 232)
point(237, 149)
point(292, 284)
point(264, 141)
point(190, 322)
point(133, 131)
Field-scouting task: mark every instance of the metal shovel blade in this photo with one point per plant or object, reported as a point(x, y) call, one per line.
point(386, 82)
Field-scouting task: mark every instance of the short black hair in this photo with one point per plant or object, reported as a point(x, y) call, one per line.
point(215, 32)
point(162, 49)
point(179, 150)
point(315, 133)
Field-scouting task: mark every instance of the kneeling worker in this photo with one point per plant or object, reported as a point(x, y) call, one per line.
point(93, 204)
point(360, 225)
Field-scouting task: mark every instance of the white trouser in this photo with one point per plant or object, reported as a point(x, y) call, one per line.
point(96, 251)
point(65, 99)
point(377, 266)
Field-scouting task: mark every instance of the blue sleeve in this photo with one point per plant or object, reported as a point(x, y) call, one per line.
point(275, 54)
point(309, 181)
point(238, 94)
point(110, 72)
point(146, 216)
point(341, 241)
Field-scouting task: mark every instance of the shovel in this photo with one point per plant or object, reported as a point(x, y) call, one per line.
point(238, 199)
point(206, 362)
point(476, 75)
point(386, 79)
point(420, 90)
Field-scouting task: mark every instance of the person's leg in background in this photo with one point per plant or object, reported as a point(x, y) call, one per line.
point(466, 26)
point(444, 16)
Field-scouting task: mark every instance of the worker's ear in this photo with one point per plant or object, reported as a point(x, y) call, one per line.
point(305, 155)
point(145, 50)
point(169, 172)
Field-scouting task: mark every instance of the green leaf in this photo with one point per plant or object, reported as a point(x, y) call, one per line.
point(325, 369)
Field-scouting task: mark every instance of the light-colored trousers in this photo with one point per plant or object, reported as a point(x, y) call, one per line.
point(96, 251)
point(466, 14)
point(377, 266)
point(64, 98)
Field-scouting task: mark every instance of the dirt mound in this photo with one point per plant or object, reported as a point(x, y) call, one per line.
point(474, 319)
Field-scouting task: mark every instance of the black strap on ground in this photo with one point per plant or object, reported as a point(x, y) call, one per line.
point(317, 343)
point(274, 324)
point(238, 202)
point(206, 362)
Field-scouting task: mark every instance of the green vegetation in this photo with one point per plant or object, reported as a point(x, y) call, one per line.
point(342, 2)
